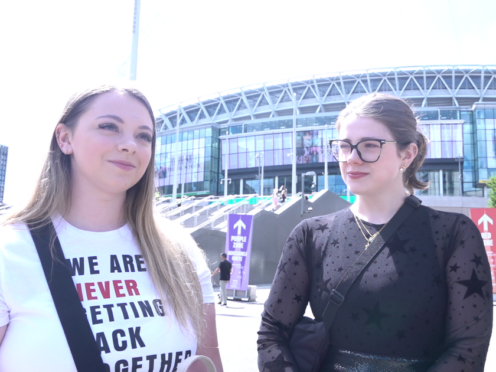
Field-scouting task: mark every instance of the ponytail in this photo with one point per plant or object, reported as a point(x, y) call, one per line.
point(410, 176)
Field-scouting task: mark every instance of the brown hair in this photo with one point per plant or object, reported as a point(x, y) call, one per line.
point(400, 119)
point(163, 245)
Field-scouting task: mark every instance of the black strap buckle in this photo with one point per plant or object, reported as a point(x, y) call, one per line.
point(336, 297)
point(413, 201)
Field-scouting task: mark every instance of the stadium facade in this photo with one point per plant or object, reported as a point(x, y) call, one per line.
point(250, 130)
point(4, 151)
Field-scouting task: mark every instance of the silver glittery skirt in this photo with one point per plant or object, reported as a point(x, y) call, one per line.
point(340, 360)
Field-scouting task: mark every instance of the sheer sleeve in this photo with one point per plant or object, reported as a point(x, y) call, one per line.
point(286, 304)
point(469, 312)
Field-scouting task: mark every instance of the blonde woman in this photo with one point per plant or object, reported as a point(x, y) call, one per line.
point(143, 283)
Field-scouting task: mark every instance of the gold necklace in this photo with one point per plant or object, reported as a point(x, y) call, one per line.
point(371, 237)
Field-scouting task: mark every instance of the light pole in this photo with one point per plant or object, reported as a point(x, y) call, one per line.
point(293, 172)
point(261, 174)
point(311, 173)
point(176, 159)
point(326, 181)
point(226, 180)
point(183, 172)
point(459, 159)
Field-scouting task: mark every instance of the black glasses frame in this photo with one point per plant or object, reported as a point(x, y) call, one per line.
point(381, 142)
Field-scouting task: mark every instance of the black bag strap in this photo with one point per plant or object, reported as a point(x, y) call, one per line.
point(338, 294)
point(71, 313)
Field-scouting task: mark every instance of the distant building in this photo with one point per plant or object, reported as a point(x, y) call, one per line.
point(252, 127)
point(4, 151)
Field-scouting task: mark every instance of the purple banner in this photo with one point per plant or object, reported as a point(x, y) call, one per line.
point(238, 249)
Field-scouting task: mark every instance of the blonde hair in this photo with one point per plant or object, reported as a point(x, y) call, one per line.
point(399, 118)
point(161, 244)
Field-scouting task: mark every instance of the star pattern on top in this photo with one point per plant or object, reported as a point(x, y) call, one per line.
point(403, 304)
point(474, 285)
point(322, 228)
point(375, 316)
point(278, 364)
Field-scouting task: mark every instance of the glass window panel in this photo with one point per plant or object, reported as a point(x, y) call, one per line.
point(481, 135)
point(242, 145)
point(491, 162)
point(286, 139)
point(233, 161)
point(224, 147)
point(259, 143)
point(242, 160)
point(250, 159)
point(429, 115)
point(278, 141)
point(457, 132)
point(287, 157)
point(450, 114)
point(435, 132)
point(457, 148)
point(482, 149)
point(268, 158)
point(236, 129)
point(491, 143)
point(250, 143)
point(269, 141)
point(436, 150)
point(285, 124)
point(233, 145)
point(445, 132)
point(278, 157)
point(446, 149)
point(269, 125)
point(253, 127)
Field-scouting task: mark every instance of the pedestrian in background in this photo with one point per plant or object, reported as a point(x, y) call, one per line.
point(424, 300)
point(225, 268)
point(89, 236)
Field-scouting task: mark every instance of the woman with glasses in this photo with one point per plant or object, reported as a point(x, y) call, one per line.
point(424, 303)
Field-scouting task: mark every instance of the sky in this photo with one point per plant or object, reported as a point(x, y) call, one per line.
point(190, 49)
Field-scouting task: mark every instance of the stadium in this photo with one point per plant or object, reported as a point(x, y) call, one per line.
point(249, 131)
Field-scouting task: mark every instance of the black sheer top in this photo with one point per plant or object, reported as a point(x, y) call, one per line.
point(427, 295)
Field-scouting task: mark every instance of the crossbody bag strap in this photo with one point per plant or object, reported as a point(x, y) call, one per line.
point(338, 294)
point(71, 313)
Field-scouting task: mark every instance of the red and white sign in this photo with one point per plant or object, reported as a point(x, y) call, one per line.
point(485, 219)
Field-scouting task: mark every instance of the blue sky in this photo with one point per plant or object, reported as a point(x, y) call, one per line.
point(190, 49)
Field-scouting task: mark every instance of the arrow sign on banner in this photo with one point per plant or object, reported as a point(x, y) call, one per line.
point(485, 219)
point(240, 225)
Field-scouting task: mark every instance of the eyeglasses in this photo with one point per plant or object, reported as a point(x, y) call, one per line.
point(369, 150)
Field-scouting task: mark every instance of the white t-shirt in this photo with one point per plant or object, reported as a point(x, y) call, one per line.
point(122, 305)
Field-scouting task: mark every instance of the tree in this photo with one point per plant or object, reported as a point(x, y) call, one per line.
point(491, 185)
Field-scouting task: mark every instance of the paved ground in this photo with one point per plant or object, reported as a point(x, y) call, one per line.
point(237, 326)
